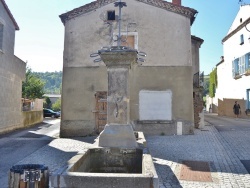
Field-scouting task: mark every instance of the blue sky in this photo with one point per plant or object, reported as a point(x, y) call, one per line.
point(41, 36)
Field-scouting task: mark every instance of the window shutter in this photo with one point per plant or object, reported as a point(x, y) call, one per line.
point(233, 71)
point(128, 41)
point(247, 61)
point(242, 65)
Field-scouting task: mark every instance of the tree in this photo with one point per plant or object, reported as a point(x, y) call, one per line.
point(53, 81)
point(57, 105)
point(212, 83)
point(47, 102)
point(206, 87)
point(32, 87)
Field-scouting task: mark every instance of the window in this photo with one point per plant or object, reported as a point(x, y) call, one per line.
point(130, 39)
point(1, 36)
point(111, 15)
point(235, 67)
point(241, 39)
point(247, 61)
point(155, 105)
point(241, 65)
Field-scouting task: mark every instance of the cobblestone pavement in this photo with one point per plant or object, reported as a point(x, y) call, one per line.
point(222, 150)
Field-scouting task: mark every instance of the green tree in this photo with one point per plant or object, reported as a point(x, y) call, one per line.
point(57, 105)
point(47, 102)
point(53, 81)
point(32, 87)
point(206, 87)
point(212, 83)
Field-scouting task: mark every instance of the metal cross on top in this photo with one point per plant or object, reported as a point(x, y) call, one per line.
point(119, 40)
point(120, 5)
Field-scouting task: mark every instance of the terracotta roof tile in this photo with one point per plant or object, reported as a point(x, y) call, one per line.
point(185, 11)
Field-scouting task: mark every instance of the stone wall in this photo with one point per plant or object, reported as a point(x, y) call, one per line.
point(198, 107)
point(32, 117)
point(12, 73)
point(225, 107)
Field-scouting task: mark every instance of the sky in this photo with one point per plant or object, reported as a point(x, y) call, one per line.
point(40, 40)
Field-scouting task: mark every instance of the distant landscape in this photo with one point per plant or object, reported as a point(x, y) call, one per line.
point(53, 81)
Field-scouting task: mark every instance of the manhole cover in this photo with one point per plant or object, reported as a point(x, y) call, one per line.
point(246, 164)
point(195, 171)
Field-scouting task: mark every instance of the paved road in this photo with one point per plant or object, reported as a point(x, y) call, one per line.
point(227, 152)
point(19, 144)
point(228, 124)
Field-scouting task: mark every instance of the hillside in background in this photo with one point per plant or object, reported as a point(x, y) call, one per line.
point(53, 81)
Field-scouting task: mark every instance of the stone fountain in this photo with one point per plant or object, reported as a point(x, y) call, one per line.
point(118, 132)
point(121, 158)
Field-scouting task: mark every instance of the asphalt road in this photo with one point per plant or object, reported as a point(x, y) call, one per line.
point(228, 124)
point(17, 145)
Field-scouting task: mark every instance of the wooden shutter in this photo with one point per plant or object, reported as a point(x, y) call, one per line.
point(128, 41)
point(101, 110)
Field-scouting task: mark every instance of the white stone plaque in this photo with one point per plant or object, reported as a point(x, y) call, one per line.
point(155, 105)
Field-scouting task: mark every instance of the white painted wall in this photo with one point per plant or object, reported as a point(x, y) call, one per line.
point(228, 87)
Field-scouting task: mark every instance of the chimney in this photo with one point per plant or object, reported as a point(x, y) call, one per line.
point(176, 2)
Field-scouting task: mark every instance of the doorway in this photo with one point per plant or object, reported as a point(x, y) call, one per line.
point(100, 110)
point(248, 99)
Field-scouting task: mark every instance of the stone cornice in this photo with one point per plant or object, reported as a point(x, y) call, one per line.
point(236, 30)
point(185, 11)
point(197, 39)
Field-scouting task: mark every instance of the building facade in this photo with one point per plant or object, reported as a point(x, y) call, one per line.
point(12, 73)
point(161, 89)
point(233, 71)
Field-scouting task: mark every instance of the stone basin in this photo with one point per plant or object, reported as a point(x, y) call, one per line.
point(108, 168)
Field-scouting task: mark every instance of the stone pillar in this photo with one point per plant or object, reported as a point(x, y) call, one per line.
point(118, 132)
point(118, 102)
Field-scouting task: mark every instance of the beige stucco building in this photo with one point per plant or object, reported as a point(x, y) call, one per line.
point(161, 89)
point(12, 73)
